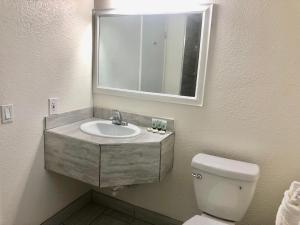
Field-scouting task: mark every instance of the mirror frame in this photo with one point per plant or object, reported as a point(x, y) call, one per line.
point(205, 9)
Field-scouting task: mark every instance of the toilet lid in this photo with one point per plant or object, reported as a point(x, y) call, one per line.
point(206, 220)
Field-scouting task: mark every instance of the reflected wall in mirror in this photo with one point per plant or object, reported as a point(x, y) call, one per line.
point(152, 53)
point(159, 54)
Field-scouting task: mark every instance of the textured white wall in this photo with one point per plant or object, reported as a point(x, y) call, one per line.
point(45, 51)
point(251, 110)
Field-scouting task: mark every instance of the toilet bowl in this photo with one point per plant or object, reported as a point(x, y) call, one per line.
point(224, 189)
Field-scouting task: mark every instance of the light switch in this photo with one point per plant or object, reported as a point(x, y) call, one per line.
point(7, 113)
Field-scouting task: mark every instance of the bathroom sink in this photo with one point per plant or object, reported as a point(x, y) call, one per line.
point(105, 128)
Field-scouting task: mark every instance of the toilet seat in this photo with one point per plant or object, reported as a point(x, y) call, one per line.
point(206, 220)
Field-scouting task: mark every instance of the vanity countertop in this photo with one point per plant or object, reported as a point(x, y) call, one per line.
point(107, 161)
point(72, 130)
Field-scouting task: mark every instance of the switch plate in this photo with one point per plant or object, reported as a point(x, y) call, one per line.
point(7, 113)
point(53, 106)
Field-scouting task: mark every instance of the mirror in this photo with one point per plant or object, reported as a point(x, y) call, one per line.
point(156, 55)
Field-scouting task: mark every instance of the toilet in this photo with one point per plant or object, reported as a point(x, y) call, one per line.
point(224, 189)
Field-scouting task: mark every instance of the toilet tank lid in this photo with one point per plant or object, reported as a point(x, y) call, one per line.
point(226, 167)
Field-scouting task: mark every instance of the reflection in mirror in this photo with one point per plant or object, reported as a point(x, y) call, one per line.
point(150, 53)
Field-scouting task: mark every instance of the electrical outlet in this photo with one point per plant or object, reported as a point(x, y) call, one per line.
point(53, 106)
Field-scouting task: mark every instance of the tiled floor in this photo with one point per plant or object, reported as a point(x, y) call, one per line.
point(94, 214)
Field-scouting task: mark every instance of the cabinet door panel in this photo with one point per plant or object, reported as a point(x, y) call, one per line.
point(129, 164)
point(73, 158)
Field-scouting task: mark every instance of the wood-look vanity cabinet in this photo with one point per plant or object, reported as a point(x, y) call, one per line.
point(109, 165)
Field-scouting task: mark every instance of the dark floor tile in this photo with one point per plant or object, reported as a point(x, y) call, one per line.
point(154, 218)
point(69, 210)
point(85, 215)
point(142, 216)
point(118, 215)
point(113, 203)
point(107, 220)
point(139, 222)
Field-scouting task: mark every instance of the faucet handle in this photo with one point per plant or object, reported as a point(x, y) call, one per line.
point(124, 123)
point(115, 113)
point(116, 117)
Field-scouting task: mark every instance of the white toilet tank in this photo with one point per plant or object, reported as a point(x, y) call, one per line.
point(224, 188)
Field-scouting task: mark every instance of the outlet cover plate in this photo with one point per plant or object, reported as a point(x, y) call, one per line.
point(53, 106)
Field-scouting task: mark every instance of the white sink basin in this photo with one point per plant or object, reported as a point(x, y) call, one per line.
point(105, 128)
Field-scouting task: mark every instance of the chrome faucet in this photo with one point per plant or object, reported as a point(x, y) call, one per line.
point(117, 118)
